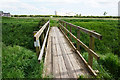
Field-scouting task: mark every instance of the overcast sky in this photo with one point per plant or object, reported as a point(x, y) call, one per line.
point(48, 7)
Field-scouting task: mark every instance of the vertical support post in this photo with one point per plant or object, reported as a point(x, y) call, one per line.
point(42, 38)
point(71, 32)
point(36, 44)
point(63, 23)
point(66, 28)
point(63, 26)
point(66, 25)
point(59, 24)
point(91, 45)
point(78, 36)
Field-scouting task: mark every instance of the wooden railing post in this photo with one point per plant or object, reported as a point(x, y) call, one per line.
point(43, 37)
point(71, 32)
point(36, 44)
point(66, 28)
point(63, 23)
point(91, 45)
point(78, 36)
point(66, 25)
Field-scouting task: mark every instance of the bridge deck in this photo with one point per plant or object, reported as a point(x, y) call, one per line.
point(61, 61)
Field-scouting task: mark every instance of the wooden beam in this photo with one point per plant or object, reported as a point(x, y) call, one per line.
point(38, 34)
point(92, 33)
point(82, 44)
point(91, 45)
point(78, 36)
point(43, 46)
point(86, 64)
point(66, 25)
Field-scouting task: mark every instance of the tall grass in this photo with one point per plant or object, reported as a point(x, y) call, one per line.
point(18, 57)
point(19, 62)
point(107, 28)
point(19, 31)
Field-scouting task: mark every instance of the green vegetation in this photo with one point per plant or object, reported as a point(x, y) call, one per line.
point(107, 28)
point(57, 16)
point(18, 53)
point(53, 22)
point(18, 57)
point(19, 62)
point(107, 48)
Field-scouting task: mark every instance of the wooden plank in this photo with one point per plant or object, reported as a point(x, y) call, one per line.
point(83, 45)
point(82, 69)
point(56, 71)
point(63, 70)
point(68, 64)
point(86, 64)
point(74, 63)
point(47, 64)
point(78, 67)
point(92, 33)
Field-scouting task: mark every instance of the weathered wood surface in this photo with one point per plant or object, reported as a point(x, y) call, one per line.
point(92, 33)
point(82, 44)
point(43, 46)
point(61, 61)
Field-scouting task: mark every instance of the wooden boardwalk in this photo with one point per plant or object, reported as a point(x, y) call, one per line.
point(62, 58)
point(61, 61)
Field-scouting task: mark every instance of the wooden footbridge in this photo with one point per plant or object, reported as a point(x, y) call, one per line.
point(61, 58)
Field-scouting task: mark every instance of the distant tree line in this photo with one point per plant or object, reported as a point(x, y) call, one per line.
point(77, 16)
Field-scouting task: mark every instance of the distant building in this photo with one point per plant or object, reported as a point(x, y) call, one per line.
point(56, 13)
point(5, 14)
point(70, 14)
point(1, 13)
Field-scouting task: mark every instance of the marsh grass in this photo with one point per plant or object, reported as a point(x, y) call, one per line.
point(19, 59)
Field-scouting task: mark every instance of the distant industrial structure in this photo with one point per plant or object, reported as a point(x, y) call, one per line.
point(70, 14)
point(5, 14)
point(55, 13)
point(65, 14)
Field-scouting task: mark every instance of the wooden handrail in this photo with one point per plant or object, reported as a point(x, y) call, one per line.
point(38, 34)
point(82, 44)
point(43, 35)
point(43, 46)
point(72, 45)
point(92, 33)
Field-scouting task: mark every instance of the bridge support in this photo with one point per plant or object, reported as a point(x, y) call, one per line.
point(78, 36)
point(36, 44)
point(91, 45)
